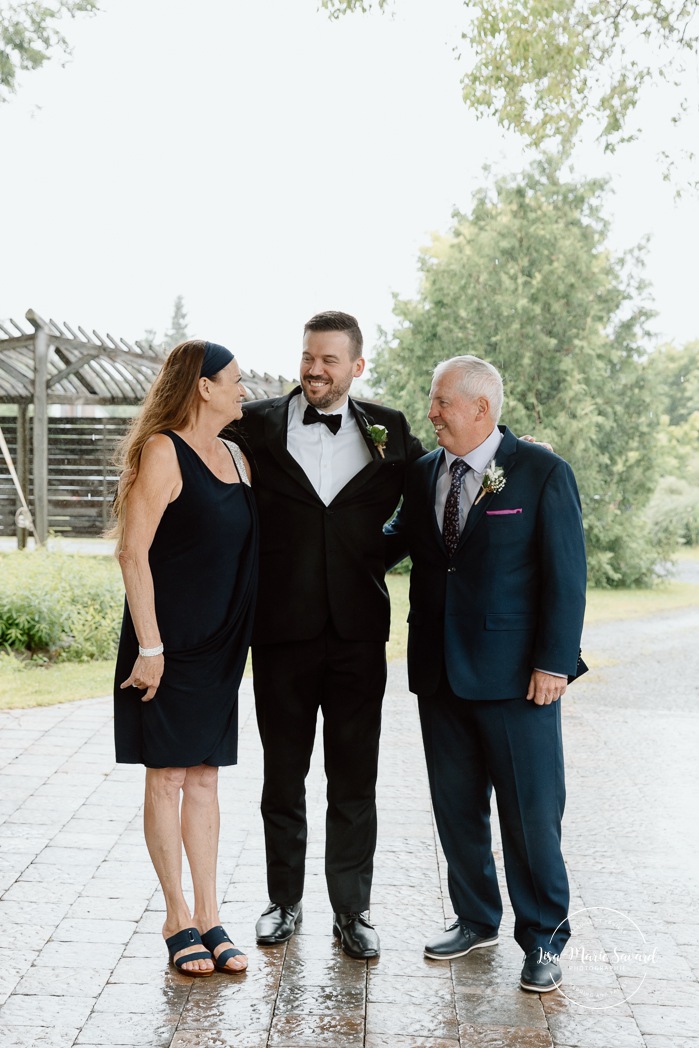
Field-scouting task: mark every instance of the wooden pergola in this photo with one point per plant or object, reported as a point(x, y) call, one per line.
point(54, 364)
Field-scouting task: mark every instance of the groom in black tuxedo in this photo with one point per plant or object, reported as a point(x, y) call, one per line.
point(328, 471)
point(497, 595)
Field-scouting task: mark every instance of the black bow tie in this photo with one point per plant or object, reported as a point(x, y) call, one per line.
point(333, 422)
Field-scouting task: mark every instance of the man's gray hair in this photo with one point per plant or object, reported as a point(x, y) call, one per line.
point(477, 378)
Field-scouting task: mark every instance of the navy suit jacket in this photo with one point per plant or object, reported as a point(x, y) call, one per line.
point(512, 596)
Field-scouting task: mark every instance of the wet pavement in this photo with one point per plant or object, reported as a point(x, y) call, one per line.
point(82, 961)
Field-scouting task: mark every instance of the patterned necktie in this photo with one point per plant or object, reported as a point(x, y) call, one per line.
point(450, 527)
point(333, 422)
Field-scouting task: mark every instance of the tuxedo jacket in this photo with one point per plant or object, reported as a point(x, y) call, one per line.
point(323, 563)
point(512, 596)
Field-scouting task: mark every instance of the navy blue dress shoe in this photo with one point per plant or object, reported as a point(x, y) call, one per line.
point(357, 936)
point(541, 971)
point(456, 942)
point(277, 923)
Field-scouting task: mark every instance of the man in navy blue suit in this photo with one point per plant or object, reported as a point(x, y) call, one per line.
point(497, 595)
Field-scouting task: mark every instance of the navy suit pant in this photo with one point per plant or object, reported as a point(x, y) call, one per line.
point(516, 748)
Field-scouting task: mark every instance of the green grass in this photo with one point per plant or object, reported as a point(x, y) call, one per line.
point(26, 684)
point(617, 605)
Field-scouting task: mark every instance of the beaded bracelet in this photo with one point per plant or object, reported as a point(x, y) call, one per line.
point(147, 652)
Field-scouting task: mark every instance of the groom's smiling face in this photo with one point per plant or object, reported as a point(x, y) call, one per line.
point(327, 368)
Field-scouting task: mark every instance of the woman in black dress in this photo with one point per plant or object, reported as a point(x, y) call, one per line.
point(187, 545)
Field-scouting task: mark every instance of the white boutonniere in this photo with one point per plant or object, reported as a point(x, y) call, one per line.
point(494, 480)
point(378, 435)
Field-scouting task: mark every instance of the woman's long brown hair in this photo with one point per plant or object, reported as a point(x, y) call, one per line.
point(169, 404)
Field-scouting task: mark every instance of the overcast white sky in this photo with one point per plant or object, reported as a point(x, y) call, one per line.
point(267, 163)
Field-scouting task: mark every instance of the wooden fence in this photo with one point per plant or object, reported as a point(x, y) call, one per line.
point(82, 477)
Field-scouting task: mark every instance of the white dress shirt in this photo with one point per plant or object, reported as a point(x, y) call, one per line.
point(329, 460)
point(479, 459)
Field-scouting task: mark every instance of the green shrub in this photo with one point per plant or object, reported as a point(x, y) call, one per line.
point(673, 515)
point(60, 606)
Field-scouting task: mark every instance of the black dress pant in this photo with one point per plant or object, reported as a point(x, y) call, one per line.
point(515, 747)
point(346, 681)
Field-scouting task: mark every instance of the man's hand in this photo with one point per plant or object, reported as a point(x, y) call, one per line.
point(532, 440)
point(545, 688)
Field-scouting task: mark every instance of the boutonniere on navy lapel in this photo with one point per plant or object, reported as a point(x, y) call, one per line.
point(494, 480)
point(378, 435)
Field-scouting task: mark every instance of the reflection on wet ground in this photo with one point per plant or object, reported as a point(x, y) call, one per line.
point(82, 961)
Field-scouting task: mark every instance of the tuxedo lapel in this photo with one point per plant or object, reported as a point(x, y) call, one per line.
point(505, 456)
point(275, 424)
point(367, 472)
point(364, 420)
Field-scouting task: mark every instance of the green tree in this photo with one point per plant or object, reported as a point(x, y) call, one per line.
point(674, 374)
point(30, 34)
point(542, 67)
point(178, 325)
point(177, 332)
point(673, 512)
point(525, 281)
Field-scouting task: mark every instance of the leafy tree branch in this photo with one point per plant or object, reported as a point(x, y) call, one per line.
point(543, 67)
point(30, 33)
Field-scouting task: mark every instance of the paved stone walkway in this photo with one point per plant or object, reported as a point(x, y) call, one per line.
point(82, 961)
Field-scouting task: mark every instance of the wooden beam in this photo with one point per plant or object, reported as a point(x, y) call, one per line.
point(81, 399)
point(70, 369)
point(15, 341)
point(23, 463)
point(41, 435)
point(71, 332)
point(15, 373)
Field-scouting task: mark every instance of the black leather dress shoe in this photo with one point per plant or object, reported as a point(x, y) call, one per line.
point(277, 923)
point(541, 972)
point(457, 941)
point(357, 936)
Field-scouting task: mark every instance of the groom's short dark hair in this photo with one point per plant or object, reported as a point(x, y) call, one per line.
point(332, 320)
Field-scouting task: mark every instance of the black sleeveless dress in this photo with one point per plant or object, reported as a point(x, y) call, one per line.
point(204, 565)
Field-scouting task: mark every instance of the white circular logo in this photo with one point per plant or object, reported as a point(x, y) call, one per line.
point(605, 945)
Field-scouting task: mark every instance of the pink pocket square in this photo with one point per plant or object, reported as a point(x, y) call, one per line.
point(501, 512)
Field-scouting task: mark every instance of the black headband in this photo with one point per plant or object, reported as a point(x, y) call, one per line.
point(216, 358)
